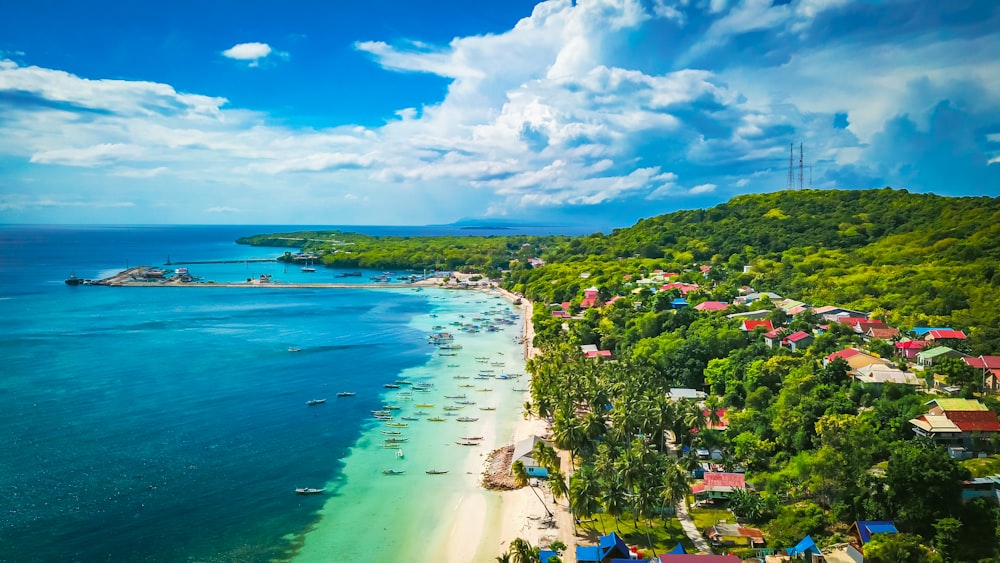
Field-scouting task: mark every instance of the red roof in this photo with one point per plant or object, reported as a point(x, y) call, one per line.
point(984, 362)
point(911, 344)
point(843, 354)
point(883, 333)
point(712, 306)
point(601, 353)
point(797, 336)
point(972, 421)
point(732, 480)
point(945, 335)
point(749, 325)
point(588, 302)
point(772, 334)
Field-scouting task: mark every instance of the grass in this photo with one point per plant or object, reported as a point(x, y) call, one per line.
point(983, 467)
point(664, 533)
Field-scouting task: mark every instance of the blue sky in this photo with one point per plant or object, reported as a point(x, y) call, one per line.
point(594, 112)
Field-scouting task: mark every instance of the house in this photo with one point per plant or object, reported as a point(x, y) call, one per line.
point(598, 354)
point(798, 341)
point(684, 288)
point(887, 333)
point(922, 331)
point(990, 366)
point(910, 348)
point(756, 296)
point(711, 306)
point(758, 314)
point(727, 534)
point(956, 423)
point(677, 393)
point(678, 303)
point(832, 313)
point(880, 374)
point(590, 298)
point(861, 325)
point(750, 325)
point(772, 338)
point(981, 487)
point(926, 358)
point(608, 548)
point(719, 485)
point(522, 453)
point(863, 530)
point(944, 337)
point(855, 358)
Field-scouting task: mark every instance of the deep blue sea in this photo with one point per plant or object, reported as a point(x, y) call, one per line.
point(170, 424)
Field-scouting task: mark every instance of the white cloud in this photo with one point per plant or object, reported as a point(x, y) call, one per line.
point(253, 52)
point(702, 189)
point(222, 209)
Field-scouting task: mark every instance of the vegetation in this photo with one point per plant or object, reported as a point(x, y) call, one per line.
point(819, 450)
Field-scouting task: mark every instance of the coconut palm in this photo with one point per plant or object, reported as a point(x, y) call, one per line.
point(584, 491)
point(523, 552)
point(503, 558)
point(521, 479)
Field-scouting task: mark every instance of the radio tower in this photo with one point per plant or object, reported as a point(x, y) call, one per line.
point(800, 166)
point(791, 173)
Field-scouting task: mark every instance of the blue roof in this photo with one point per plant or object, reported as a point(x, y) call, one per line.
point(544, 555)
point(868, 527)
point(922, 330)
point(807, 545)
point(679, 550)
point(588, 553)
point(609, 545)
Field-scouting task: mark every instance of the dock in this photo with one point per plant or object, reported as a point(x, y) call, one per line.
point(133, 277)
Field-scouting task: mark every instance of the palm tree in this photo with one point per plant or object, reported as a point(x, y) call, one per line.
point(584, 490)
point(557, 485)
point(521, 479)
point(675, 487)
point(522, 552)
point(503, 558)
point(545, 456)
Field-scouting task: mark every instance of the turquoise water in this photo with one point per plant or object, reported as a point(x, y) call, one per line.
point(171, 424)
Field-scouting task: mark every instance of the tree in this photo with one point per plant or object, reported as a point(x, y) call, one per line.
point(521, 551)
point(957, 373)
point(899, 548)
point(584, 491)
point(925, 485)
point(521, 479)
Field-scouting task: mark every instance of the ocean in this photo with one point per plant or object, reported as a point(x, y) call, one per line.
point(170, 424)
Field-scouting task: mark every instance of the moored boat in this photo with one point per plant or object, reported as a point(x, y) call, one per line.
point(312, 402)
point(308, 491)
point(435, 471)
point(345, 394)
point(393, 471)
point(466, 419)
point(467, 443)
point(435, 419)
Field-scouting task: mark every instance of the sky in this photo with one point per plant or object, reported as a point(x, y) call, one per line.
point(391, 112)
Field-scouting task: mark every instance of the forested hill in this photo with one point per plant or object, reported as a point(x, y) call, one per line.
point(831, 219)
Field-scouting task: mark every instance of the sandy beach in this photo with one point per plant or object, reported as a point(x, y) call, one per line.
point(485, 524)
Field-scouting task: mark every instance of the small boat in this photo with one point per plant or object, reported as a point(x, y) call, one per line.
point(466, 419)
point(467, 443)
point(73, 280)
point(520, 390)
point(487, 408)
point(312, 402)
point(435, 419)
point(467, 386)
point(472, 437)
point(403, 382)
point(435, 472)
point(391, 432)
point(465, 402)
point(391, 386)
point(346, 394)
point(308, 491)
point(452, 408)
point(397, 424)
point(408, 418)
point(399, 453)
point(424, 405)
point(461, 377)
point(454, 396)
point(391, 407)
point(307, 269)
point(393, 472)
point(392, 440)
point(484, 390)
point(294, 349)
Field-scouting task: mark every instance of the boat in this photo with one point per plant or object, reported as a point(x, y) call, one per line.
point(453, 408)
point(294, 349)
point(73, 280)
point(399, 453)
point(454, 396)
point(397, 424)
point(472, 437)
point(308, 491)
point(391, 407)
point(408, 418)
point(391, 386)
point(403, 382)
point(312, 402)
point(435, 419)
point(307, 269)
point(391, 432)
point(467, 386)
point(465, 402)
point(350, 275)
point(424, 405)
point(393, 472)
point(484, 390)
point(520, 390)
point(396, 440)
point(467, 443)
point(487, 408)
point(346, 394)
point(466, 419)
point(435, 472)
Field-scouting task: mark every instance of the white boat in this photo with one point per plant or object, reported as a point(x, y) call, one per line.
point(308, 491)
point(312, 402)
point(345, 394)
point(399, 453)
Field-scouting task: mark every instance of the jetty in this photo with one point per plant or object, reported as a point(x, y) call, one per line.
point(135, 277)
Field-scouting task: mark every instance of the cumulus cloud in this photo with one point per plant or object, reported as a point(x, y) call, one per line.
point(253, 52)
point(567, 108)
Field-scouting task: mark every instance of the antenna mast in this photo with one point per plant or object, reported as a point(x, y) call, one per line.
point(791, 174)
point(800, 166)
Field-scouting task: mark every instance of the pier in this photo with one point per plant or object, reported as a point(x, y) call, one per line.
point(246, 260)
point(134, 277)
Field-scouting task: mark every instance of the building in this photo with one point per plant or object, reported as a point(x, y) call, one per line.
point(609, 548)
point(956, 423)
point(926, 358)
point(910, 348)
point(750, 325)
point(990, 366)
point(723, 533)
point(863, 530)
point(522, 453)
point(590, 298)
point(719, 485)
point(855, 358)
point(880, 374)
point(711, 306)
